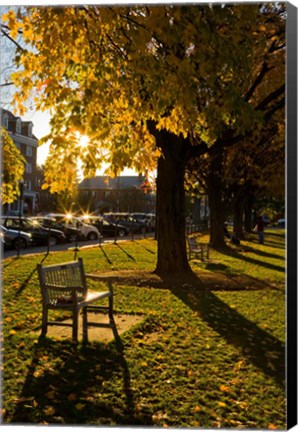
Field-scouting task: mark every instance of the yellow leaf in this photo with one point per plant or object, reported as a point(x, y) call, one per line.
point(80, 406)
point(224, 388)
point(221, 404)
point(12, 332)
point(272, 426)
point(49, 410)
point(51, 394)
point(197, 408)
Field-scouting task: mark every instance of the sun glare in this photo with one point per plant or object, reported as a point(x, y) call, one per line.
point(83, 141)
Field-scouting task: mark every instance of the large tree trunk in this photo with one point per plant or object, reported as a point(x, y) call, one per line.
point(238, 212)
point(238, 218)
point(170, 207)
point(216, 202)
point(248, 214)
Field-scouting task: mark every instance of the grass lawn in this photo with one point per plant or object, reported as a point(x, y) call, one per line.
point(204, 355)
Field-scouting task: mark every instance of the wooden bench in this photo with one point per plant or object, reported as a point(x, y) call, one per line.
point(63, 286)
point(197, 249)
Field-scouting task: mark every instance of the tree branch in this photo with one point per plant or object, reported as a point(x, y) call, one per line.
point(6, 84)
point(274, 95)
point(11, 39)
point(257, 81)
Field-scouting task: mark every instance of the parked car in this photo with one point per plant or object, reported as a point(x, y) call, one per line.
point(40, 236)
point(281, 223)
point(147, 218)
point(88, 232)
point(15, 239)
point(128, 221)
point(71, 233)
point(106, 228)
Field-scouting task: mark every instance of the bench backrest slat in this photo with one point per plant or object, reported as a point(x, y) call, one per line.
point(55, 279)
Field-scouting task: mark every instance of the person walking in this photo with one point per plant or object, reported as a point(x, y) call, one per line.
point(260, 229)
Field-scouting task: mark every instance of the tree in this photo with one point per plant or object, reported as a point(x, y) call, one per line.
point(10, 178)
point(145, 83)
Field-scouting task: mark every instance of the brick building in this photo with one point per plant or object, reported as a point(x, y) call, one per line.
point(123, 193)
point(22, 135)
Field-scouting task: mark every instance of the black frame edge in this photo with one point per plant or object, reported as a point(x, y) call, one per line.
point(291, 217)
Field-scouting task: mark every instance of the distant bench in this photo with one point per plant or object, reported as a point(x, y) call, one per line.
point(197, 249)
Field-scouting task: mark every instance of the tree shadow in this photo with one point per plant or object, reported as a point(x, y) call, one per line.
point(262, 253)
point(78, 390)
point(261, 348)
point(238, 255)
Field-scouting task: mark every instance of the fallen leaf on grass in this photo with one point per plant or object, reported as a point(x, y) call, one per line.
point(49, 410)
point(272, 426)
point(197, 408)
point(71, 397)
point(80, 406)
point(159, 415)
point(225, 388)
point(271, 366)
point(51, 394)
point(221, 404)
point(23, 399)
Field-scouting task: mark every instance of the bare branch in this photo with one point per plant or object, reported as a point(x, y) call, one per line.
point(6, 84)
point(11, 39)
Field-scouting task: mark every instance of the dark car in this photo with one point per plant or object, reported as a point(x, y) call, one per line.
point(106, 228)
point(147, 218)
point(15, 239)
point(70, 232)
point(40, 236)
point(125, 219)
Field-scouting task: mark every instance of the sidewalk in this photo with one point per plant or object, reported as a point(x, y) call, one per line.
point(123, 322)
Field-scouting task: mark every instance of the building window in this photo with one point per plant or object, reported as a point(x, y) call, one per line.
point(5, 121)
point(28, 151)
point(28, 168)
point(28, 185)
point(18, 126)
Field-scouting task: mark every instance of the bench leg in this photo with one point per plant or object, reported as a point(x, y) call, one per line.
point(75, 324)
point(85, 324)
point(44, 328)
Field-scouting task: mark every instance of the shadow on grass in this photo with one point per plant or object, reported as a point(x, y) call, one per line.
point(238, 255)
point(144, 247)
point(28, 279)
point(10, 262)
point(253, 342)
point(216, 267)
point(105, 254)
point(126, 253)
point(262, 253)
point(81, 390)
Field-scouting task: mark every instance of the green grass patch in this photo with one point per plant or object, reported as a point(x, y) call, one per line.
point(199, 358)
